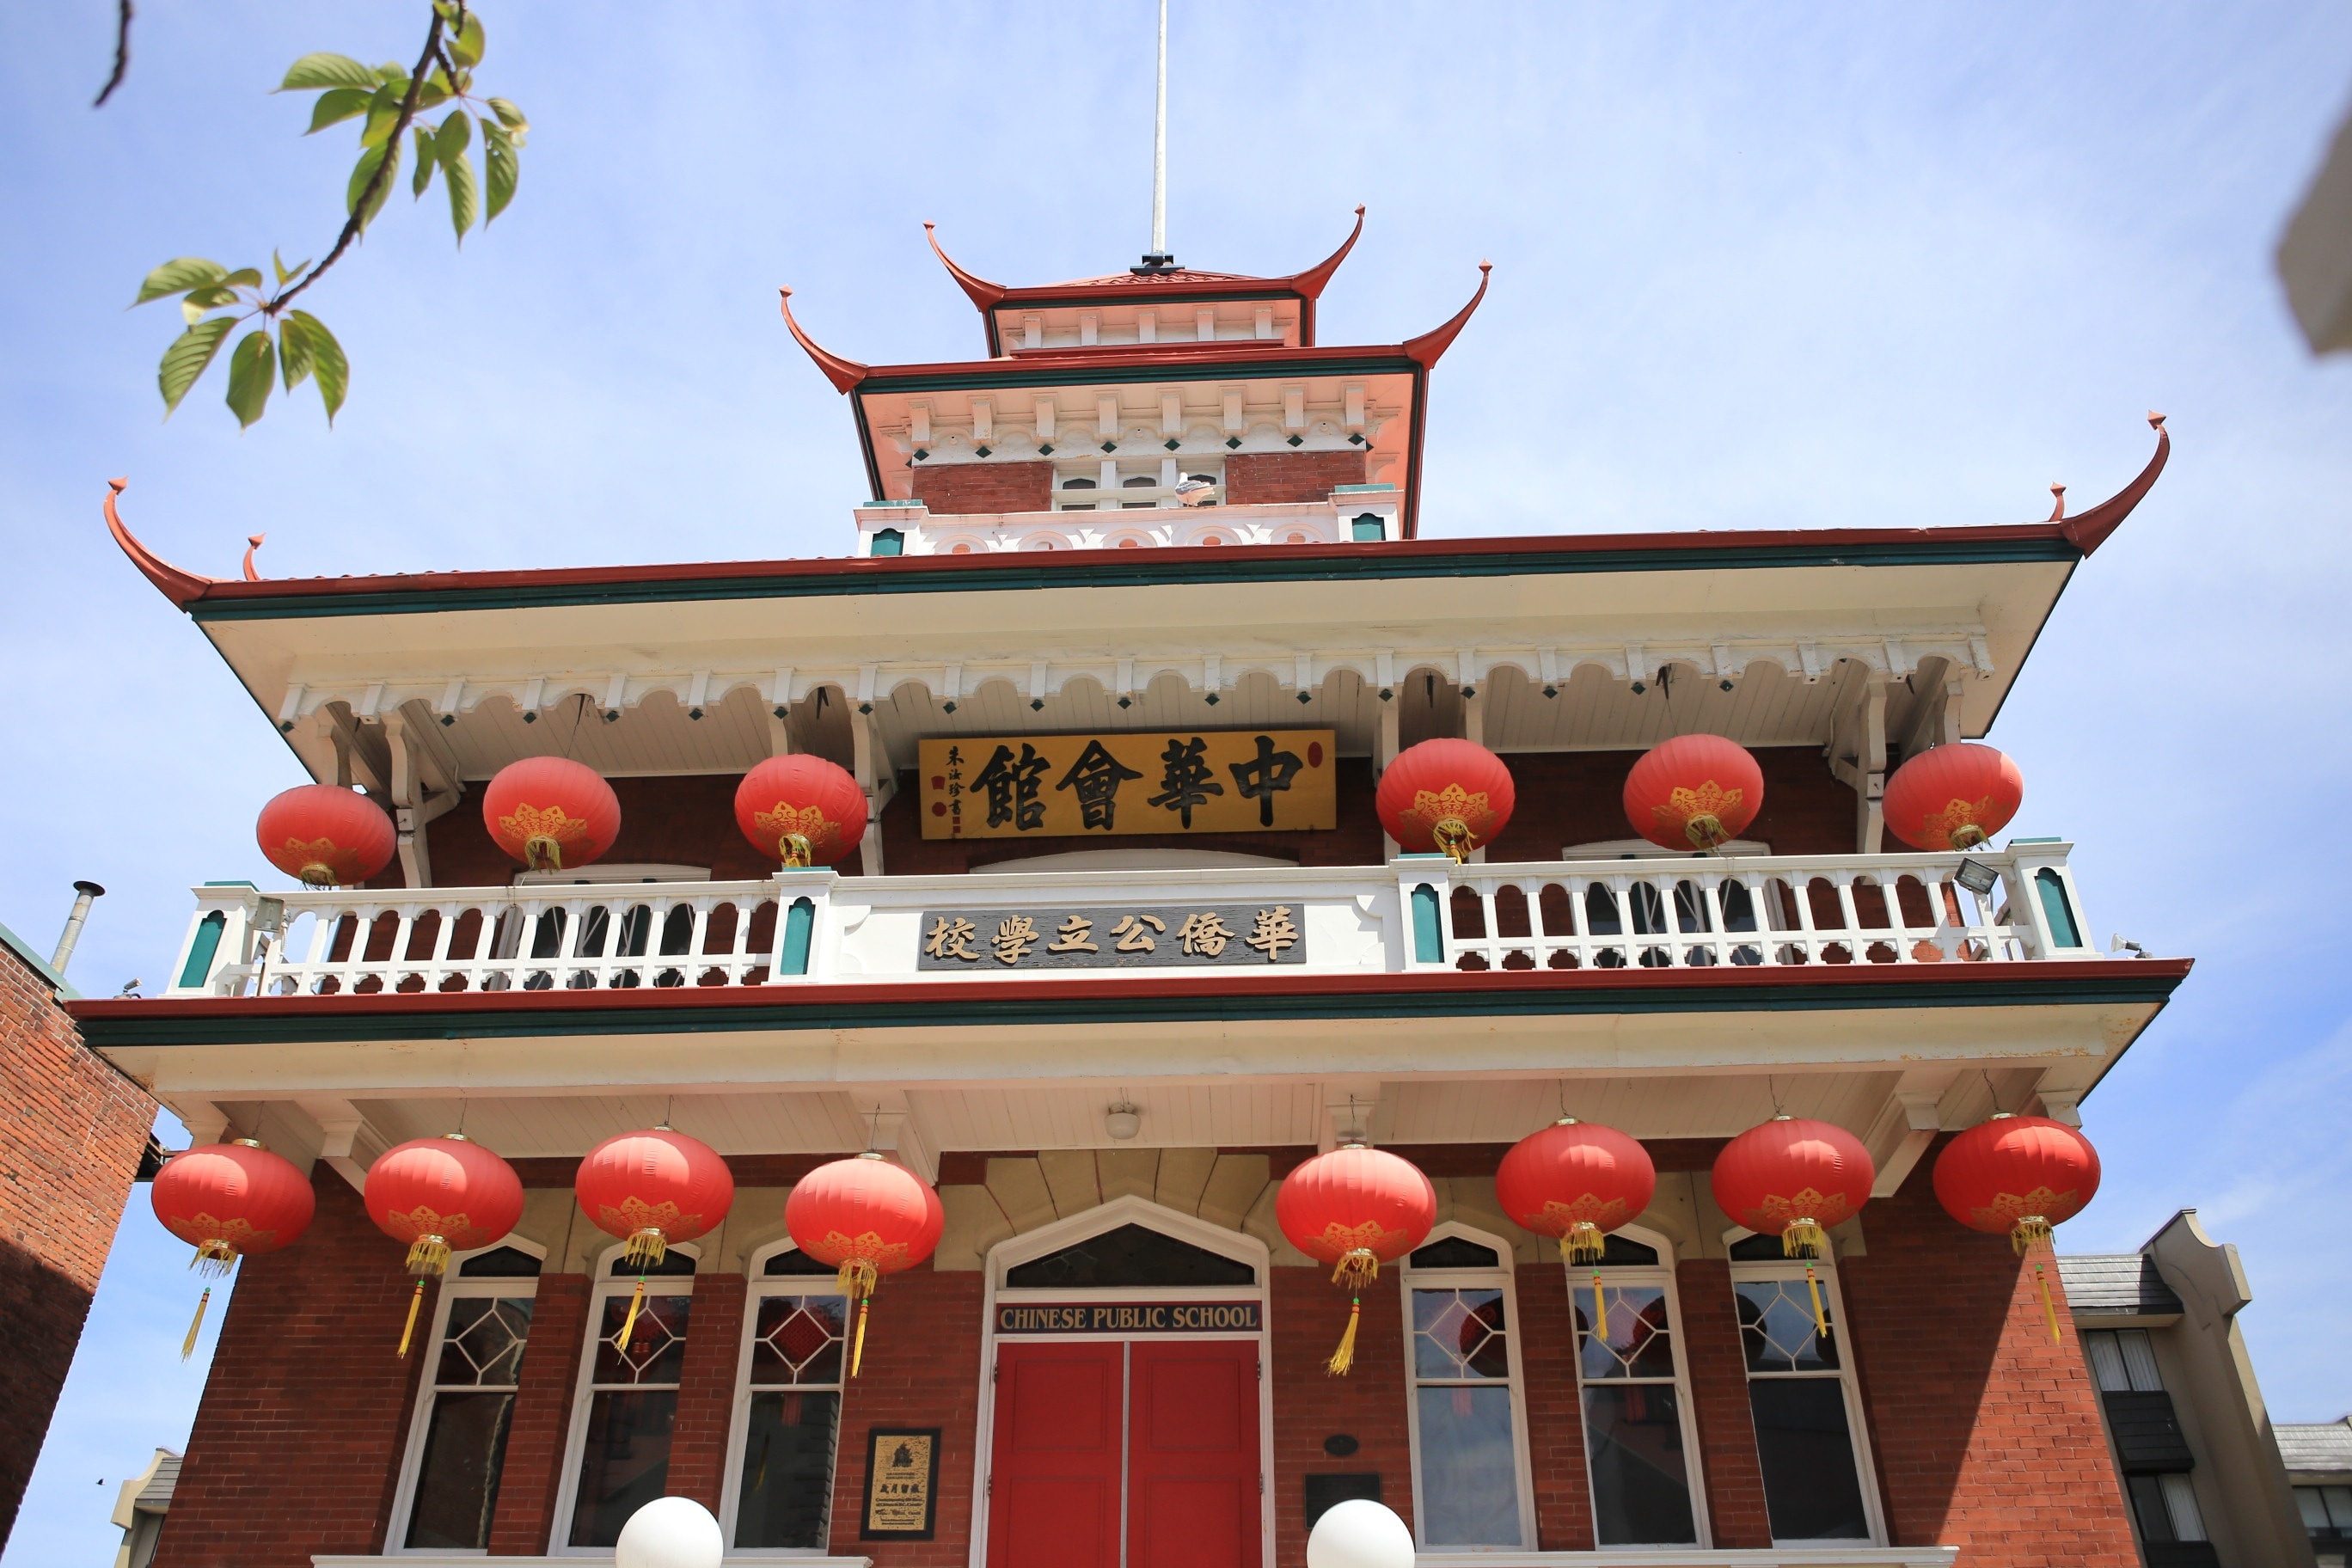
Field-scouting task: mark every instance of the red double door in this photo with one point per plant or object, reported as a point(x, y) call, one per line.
point(1159, 1438)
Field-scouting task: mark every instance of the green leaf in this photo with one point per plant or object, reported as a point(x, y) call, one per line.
point(287, 273)
point(199, 300)
point(510, 117)
point(185, 360)
point(500, 169)
point(243, 277)
point(251, 365)
point(466, 49)
point(451, 141)
point(424, 176)
point(362, 172)
point(337, 105)
point(177, 277)
point(392, 74)
point(327, 361)
point(326, 71)
point(294, 354)
point(464, 195)
point(437, 91)
point(384, 113)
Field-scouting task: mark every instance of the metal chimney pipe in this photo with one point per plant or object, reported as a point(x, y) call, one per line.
point(83, 893)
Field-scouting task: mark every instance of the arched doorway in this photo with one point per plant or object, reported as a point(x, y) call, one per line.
point(1125, 1419)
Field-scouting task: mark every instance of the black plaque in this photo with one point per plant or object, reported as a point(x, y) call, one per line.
point(902, 1483)
point(1322, 1491)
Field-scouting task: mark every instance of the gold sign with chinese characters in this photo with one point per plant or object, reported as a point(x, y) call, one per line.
point(1073, 787)
point(1110, 936)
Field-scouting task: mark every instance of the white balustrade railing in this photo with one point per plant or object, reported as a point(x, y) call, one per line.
point(1419, 912)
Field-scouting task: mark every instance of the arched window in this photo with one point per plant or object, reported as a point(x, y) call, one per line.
point(787, 1424)
point(1471, 1486)
point(627, 1401)
point(1811, 1440)
point(1139, 482)
point(473, 1362)
point(1077, 484)
point(1640, 1441)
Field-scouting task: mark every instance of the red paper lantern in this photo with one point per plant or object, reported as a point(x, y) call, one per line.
point(1355, 1208)
point(802, 809)
point(1576, 1181)
point(327, 836)
point(2018, 1176)
point(552, 814)
point(1693, 792)
point(1953, 797)
point(654, 1188)
point(442, 1195)
point(1794, 1179)
point(1447, 795)
point(866, 1217)
point(229, 1201)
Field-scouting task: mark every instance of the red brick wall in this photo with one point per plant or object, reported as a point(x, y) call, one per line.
point(1555, 1409)
point(922, 1369)
point(69, 1150)
point(1254, 478)
point(1718, 1366)
point(1309, 1314)
point(958, 488)
point(706, 1390)
point(525, 1519)
point(297, 1445)
point(1987, 1434)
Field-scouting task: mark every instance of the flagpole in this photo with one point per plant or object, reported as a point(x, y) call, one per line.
point(1160, 257)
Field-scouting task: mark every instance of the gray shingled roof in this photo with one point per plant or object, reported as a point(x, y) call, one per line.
point(2326, 1446)
point(155, 1496)
point(2114, 1283)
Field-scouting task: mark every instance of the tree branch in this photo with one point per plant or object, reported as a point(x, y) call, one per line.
point(361, 209)
point(121, 55)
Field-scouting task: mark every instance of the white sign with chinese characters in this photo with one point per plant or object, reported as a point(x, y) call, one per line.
point(1171, 936)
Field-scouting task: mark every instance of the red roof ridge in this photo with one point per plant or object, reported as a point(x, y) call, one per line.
point(1311, 281)
point(1430, 345)
point(844, 373)
point(982, 292)
point(2087, 530)
point(182, 588)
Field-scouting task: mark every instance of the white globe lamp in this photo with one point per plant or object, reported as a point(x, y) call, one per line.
point(669, 1532)
point(1359, 1534)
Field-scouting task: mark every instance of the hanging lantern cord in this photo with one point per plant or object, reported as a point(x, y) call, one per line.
point(621, 1340)
point(1600, 1308)
point(1821, 1318)
point(1345, 1356)
point(2049, 1307)
point(408, 1330)
point(856, 1279)
point(196, 1325)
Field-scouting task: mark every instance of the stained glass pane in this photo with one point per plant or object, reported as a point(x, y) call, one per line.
point(1640, 1342)
point(457, 1480)
point(797, 1339)
point(657, 1345)
point(1641, 1489)
point(483, 1343)
point(1812, 1488)
point(1469, 1476)
point(1777, 1327)
point(1459, 1334)
point(787, 1486)
point(624, 1464)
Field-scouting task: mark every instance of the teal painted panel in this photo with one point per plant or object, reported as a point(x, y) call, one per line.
point(2053, 887)
point(800, 925)
point(1428, 941)
point(201, 951)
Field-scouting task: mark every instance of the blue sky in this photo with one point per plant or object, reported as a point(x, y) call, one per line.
point(1754, 266)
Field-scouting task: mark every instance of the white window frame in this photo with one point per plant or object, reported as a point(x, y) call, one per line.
point(604, 1287)
point(420, 1420)
point(1857, 1421)
point(1501, 1276)
point(756, 1285)
point(1660, 1273)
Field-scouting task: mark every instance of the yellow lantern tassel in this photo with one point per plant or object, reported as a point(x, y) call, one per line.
point(645, 1248)
point(1821, 1319)
point(1600, 1308)
point(1357, 1269)
point(1345, 1356)
point(2049, 1308)
point(414, 1301)
point(856, 1277)
point(188, 1345)
point(2030, 1232)
point(1583, 1243)
point(621, 1340)
point(857, 1349)
point(1804, 1238)
point(429, 1255)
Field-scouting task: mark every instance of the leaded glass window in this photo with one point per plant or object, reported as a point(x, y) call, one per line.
point(788, 1407)
point(628, 1402)
point(1638, 1439)
point(480, 1328)
point(1801, 1404)
point(1470, 1480)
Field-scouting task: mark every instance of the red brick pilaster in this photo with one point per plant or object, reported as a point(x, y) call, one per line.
point(921, 1369)
point(1718, 1382)
point(1987, 1434)
point(551, 1372)
point(985, 487)
point(706, 1392)
point(1367, 1404)
point(1555, 1409)
point(1255, 478)
point(297, 1446)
